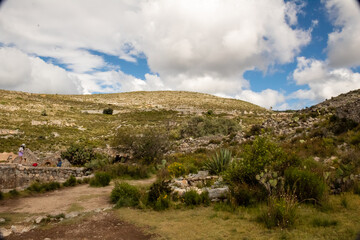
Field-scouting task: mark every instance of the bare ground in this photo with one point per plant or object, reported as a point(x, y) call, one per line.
point(80, 199)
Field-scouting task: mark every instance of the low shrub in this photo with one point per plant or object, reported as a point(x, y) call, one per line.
point(192, 198)
point(219, 162)
point(156, 190)
point(108, 111)
point(280, 212)
point(307, 185)
point(1, 195)
point(357, 188)
point(44, 187)
point(125, 195)
point(101, 179)
point(176, 169)
point(126, 170)
point(14, 193)
point(163, 202)
point(324, 222)
point(244, 194)
point(70, 182)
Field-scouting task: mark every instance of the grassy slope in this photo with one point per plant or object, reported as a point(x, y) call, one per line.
point(67, 120)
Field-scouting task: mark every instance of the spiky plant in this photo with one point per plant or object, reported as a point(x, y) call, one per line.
point(218, 162)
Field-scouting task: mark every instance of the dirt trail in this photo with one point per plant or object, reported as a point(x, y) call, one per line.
point(81, 198)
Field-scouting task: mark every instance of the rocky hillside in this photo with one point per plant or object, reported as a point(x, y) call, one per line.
point(344, 106)
point(49, 123)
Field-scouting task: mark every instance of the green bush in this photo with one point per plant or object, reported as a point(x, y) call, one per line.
point(14, 193)
point(218, 162)
point(244, 194)
point(101, 179)
point(125, 195)
point(126, 170)
point(1, 195)
point(163, 202)
point(43, 187)
point(156, 190)
point(192, 198)
point(147, 145)
point(78, 154)
point(280, 212)
point(307, 185)
point(357, 188)
point(208, 125)
point(70, 182)
point(324, 222)
point(176, 169)
point(108, 111)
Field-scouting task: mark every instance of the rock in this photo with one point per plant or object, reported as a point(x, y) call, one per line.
point(179, 191)
point(47, 238)
point(181, 183)
point(2, 220)
point(39, 219)
point(71, 215)
point(13, 229)
point(220, 193)
point(5, 232)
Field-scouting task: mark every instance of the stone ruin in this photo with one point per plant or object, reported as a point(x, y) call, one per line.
point(200, 182)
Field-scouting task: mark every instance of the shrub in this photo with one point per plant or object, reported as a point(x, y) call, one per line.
point(43, 187)
point(1, 195)
point(357, 188)
point(156, 190)
point(324, 222)
point(218, 162)
point(305, 184)
point(78, 154)
point(125, 195)
point(108, 111)
point(14, 193)
point(163, 202)
point(245, 195)
point(101, 179)
point(280, 212)
point(70, 182)
point(192, 198)
point(126, 170)
point(176, 169)
point(148, 145)
point(255, 130)
point(204, 126)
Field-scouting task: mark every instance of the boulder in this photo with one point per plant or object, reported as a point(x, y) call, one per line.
point(219, 193)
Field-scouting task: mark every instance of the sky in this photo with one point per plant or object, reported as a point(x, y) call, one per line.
point(274, 53)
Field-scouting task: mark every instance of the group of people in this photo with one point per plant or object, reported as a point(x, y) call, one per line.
point(21, 154)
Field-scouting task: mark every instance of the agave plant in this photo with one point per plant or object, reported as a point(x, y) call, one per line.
point(218, 162)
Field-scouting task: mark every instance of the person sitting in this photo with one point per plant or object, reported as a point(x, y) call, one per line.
point(59, 163)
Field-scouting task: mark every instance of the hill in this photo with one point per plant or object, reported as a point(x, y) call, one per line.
point(52, 122)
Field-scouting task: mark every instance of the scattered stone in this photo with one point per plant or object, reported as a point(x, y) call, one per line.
point(2, 220)
point(72, 215)
point(5, 232)
point(220, 193)
point(40, 219)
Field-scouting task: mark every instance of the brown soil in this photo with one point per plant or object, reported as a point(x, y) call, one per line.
point(99, 226)
point(81, 199)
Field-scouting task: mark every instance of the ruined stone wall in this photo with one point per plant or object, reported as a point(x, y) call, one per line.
point(17, 176)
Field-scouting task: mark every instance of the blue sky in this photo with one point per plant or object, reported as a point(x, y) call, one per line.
point(274, 53)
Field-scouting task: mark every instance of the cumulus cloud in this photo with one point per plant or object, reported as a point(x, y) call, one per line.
point(21, 72)
point(267, 98)
point(323, 81)
point(198, 45)
point(343, 43)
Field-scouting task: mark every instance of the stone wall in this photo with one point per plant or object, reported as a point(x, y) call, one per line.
point(18, 176)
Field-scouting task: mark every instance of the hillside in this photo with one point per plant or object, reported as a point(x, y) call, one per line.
point(49, 123)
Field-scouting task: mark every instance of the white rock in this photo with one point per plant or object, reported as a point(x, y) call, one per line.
point(72, 215)
point(5, 232)
point(39, 219)
point(2, 220)
point(218, 192)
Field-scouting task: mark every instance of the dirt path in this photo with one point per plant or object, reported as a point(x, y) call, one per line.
point(80, 199)
point(99, 226)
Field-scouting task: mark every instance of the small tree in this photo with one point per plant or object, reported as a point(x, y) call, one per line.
point(147, 145)
point(78, 154)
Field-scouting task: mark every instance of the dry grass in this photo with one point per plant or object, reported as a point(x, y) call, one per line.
point(206, 223)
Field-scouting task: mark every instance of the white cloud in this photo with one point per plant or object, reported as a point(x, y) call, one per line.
point(344, 42)
point(323, 81)
point(21, 72)
point(267, 98)
point(199, 45)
